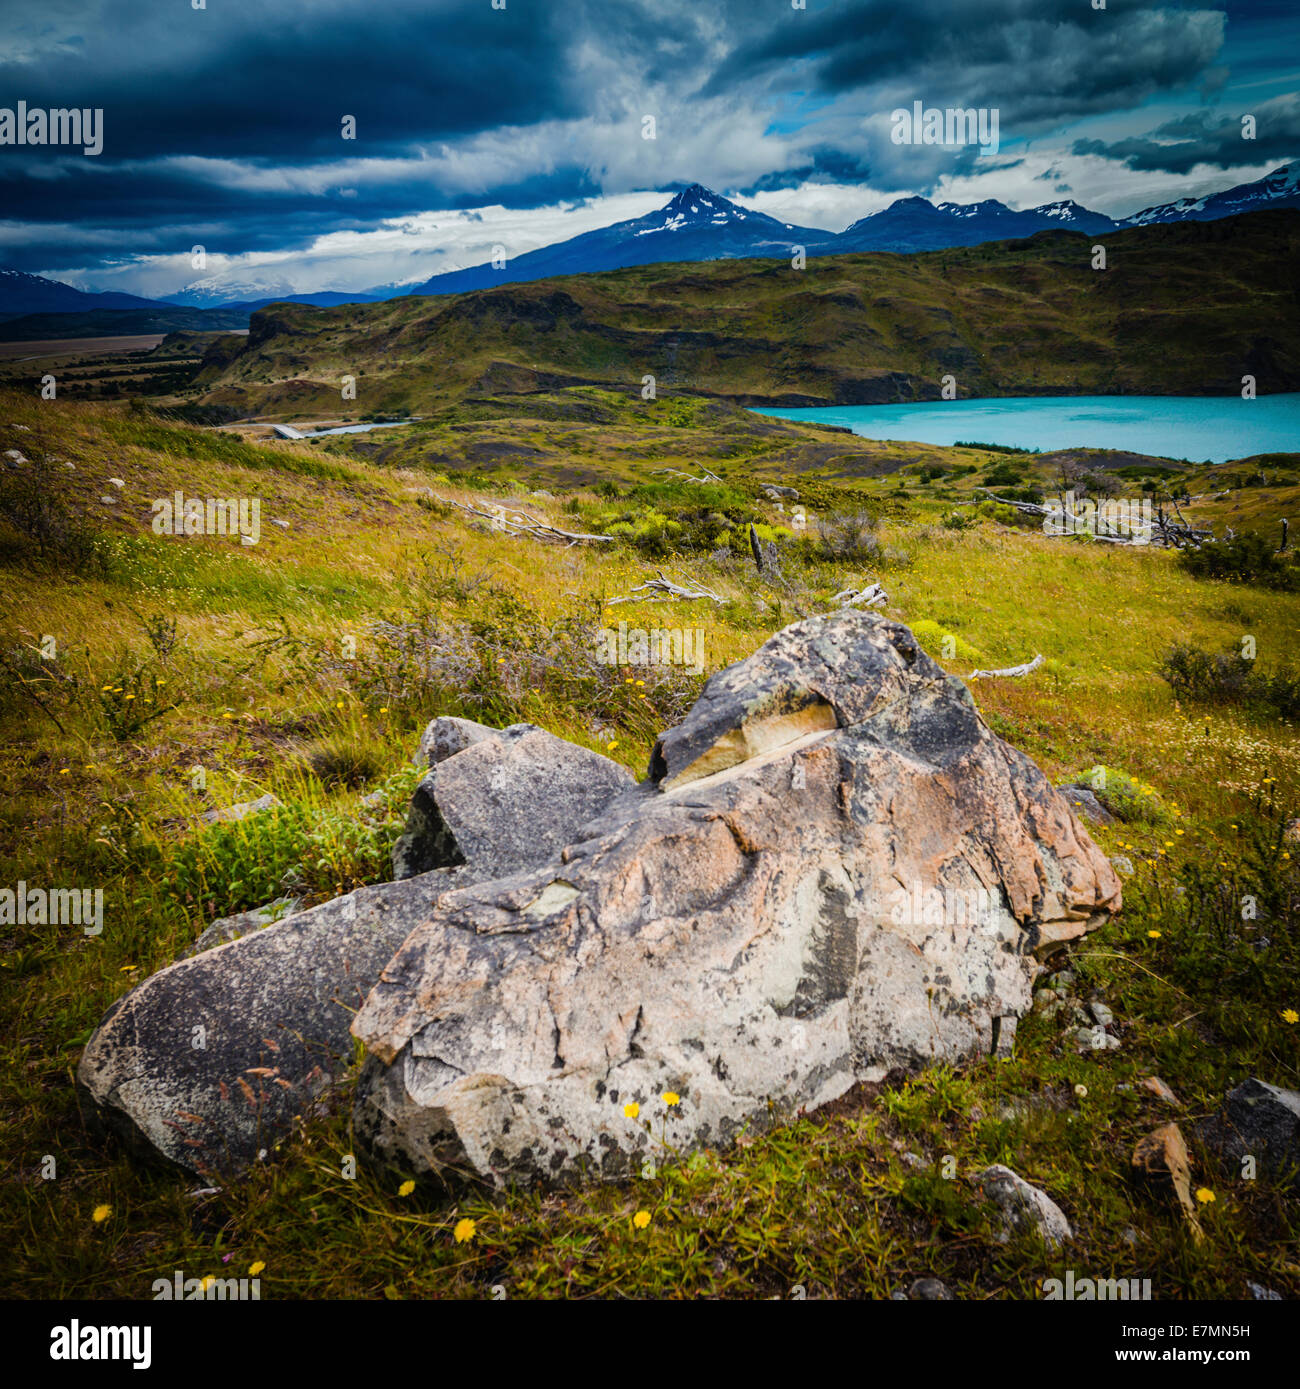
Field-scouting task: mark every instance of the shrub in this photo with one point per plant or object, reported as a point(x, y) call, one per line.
point(1227, 677)
point(848, 536)
point(942, 644)
point(1244, 559)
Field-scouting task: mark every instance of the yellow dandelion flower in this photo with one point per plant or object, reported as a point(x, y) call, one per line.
point(632, 1110)
point(101, 1214)
point(255, 1268)
point(384, 710)
point(1204, 1195)
point(1155, 935)
point(406, 1188)
point(464, 1231)
point(641, 1219)
point(671, 1097)
point(1289, 1015)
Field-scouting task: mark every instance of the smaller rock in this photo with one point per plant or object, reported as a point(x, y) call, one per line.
point(1042, 997)
point(774, 493)
point(1101, 1015)
point(445, 736)
point(1163, 1154)
point(915, 1160)
point(930, 1290)
point(109, 501)
point(21, 428)
point(116, 482)
point(275, 521)
point(1261, 1121)
point(1062, 979)
point(1122, 864)
point(544, 495)
point(1024, 1207)
point(1129, 1235)
point(240, 812)
point(1095, 1038)
point(1159, 1089)
point(229, 928)
point(1083, 799)
point(15, 456)
point(1262, 1294)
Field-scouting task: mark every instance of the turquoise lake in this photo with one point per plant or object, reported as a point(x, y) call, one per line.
point(1197, 429)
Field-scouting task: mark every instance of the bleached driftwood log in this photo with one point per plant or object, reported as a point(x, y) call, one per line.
point(511, 521)
point(872, 596)
point(706, 476)
point(665, 591)
point(1009, 670)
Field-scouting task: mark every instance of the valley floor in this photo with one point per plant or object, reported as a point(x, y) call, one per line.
point(151, 678)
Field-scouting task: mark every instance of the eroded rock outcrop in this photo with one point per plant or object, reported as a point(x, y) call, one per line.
point(835, 868)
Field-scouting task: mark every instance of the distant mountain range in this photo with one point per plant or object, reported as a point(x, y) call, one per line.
point(696, 225)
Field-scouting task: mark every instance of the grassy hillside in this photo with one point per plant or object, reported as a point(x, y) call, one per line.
point(1181, 309)
point(172, 654)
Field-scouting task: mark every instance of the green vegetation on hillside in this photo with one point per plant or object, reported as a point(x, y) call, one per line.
point(236, 658)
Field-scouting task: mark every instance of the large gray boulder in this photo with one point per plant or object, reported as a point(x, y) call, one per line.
point(209, 1062)
point(835, 868)
point(501, 799)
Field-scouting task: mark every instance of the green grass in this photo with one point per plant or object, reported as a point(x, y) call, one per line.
point(448, 617)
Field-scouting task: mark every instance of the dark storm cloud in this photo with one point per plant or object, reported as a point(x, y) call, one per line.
point(226, 121)
point(274, 81)
point(1178, 146)
point(1039, 61)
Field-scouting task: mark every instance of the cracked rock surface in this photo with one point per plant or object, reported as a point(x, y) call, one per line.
point(835, 868)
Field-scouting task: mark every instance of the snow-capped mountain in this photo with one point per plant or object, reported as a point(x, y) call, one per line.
point(915, 224)
point(1281, 188)
point(219, 292)
point(21, 293)
point(697, 224)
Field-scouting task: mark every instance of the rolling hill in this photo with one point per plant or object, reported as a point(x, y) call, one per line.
point(1187, 308)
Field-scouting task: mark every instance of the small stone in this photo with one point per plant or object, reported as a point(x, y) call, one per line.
point(116, 482)
point(1121, 863)
point(1262, 1294)
point(1024, 1207)
point(930, 1290)
point(1101, 1014)
point(1062, 979)
point(242, 811)
point(109, 501)
point(915, 1160)
point(1159, 1089)
point(275, 521)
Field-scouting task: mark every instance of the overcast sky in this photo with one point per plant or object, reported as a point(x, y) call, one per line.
point(223, 126)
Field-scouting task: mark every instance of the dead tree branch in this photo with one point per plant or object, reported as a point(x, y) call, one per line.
point(514, 522)
point(1013, 671)
point(665, 591)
